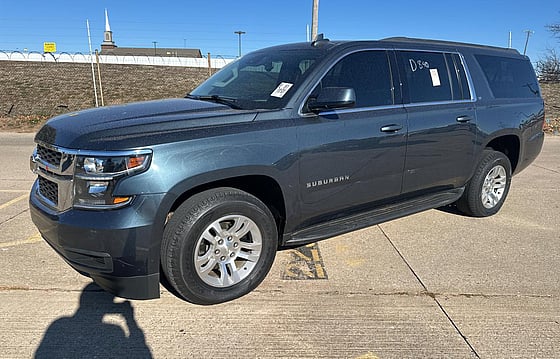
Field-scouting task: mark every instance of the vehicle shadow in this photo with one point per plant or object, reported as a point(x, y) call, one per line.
point(87, 335)
point(451, 209)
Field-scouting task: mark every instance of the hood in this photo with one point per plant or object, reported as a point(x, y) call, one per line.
point(138, 124)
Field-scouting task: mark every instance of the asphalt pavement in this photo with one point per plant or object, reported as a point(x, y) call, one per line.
point(432, 285)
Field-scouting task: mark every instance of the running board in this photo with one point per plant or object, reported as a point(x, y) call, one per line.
point(378, 215)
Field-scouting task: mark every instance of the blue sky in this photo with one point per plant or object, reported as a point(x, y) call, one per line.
point(210, 25)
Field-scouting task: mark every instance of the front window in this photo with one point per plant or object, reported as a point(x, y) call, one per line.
point(264, 79)
point(368, 73)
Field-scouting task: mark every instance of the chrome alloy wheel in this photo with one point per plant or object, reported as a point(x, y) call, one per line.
point(228, 250)
point(494, 186)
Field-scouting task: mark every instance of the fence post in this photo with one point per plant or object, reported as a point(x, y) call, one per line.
point(209, 65)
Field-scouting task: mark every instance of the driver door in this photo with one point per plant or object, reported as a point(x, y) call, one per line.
point(352, 157)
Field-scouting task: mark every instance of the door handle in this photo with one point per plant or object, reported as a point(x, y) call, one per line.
point(391, 128)
point(464, 119)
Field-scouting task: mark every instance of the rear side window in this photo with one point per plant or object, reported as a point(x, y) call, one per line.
point(427, 76)
point(509, 78)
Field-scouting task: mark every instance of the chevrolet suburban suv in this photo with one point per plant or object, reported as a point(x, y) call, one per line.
point(285, 146)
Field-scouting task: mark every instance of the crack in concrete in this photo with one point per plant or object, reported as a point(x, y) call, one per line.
point(329, 292)
point(7, 288)
point(14, 216)
point(547, 169)
point(433, 296)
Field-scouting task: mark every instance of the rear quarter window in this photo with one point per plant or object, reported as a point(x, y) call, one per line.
point(509, 77)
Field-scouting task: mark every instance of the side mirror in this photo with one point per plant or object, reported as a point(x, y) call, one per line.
point(333, 98)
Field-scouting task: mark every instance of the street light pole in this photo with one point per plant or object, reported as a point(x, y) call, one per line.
point(239, 32)
point(155, 51)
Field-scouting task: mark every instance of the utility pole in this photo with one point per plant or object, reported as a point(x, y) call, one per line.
point(155, 51)
point(529, 33)
point(315, 20)
point(239, 32)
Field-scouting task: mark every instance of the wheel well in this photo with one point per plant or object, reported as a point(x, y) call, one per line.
point(509, 146)
point(264, 188)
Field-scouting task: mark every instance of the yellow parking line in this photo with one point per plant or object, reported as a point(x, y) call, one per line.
point(33, 239)
point(15, 200)
point(318, 266)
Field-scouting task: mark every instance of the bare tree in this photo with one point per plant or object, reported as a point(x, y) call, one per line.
point(554, 29)
point(548, 67)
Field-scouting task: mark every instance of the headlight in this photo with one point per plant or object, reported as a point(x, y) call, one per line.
point(96, 177)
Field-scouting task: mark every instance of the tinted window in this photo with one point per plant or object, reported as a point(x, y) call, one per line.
point(458, 77)
point(456, 89)
point(461, 74)
point(368, 73)
point(509, 78)
point(426, 75)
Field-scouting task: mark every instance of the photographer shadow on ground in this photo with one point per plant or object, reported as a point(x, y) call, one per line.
point(87, 335)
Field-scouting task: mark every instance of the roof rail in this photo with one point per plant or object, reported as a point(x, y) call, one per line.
point(442, 42)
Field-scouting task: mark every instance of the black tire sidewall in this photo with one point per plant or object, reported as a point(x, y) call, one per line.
point(474, 203)
point(183, 274)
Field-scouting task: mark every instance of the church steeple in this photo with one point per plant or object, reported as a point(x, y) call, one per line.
point(108, 43)
point(107, 26)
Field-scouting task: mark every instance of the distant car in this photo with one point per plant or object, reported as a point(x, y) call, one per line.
point(286, 146)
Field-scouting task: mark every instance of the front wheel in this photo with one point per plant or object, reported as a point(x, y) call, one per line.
point(488, 188)
point(218, 246)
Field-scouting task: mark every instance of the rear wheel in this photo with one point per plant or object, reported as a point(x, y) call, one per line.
point(488, 188)
point(218, 246)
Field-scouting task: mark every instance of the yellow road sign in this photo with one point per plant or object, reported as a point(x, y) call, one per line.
point(49, 46)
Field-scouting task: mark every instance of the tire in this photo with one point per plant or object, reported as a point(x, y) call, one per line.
point(487, 190)
point(218, 246)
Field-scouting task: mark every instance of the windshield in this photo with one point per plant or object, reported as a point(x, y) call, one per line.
point(264, 79)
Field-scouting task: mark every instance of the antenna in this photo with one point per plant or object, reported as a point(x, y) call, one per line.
point(319, 39)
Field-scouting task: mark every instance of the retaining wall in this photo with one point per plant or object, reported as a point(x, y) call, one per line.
point(50, 88)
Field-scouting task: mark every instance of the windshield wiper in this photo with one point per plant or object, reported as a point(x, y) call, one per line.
point(229, 101)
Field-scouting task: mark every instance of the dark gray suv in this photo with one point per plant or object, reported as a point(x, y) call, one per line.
point(283, 147)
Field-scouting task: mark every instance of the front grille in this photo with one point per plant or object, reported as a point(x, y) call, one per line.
point(48, 190)
point(55, 169)
point(50, 156)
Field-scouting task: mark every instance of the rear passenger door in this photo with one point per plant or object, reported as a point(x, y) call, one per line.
point(441, 120)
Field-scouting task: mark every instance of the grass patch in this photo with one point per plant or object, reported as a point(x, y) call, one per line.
point(22, 123)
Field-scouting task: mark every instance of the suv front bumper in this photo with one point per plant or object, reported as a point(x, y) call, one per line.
point(119, 249)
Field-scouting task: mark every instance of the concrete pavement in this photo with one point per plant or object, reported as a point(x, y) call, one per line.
point(435, 284)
